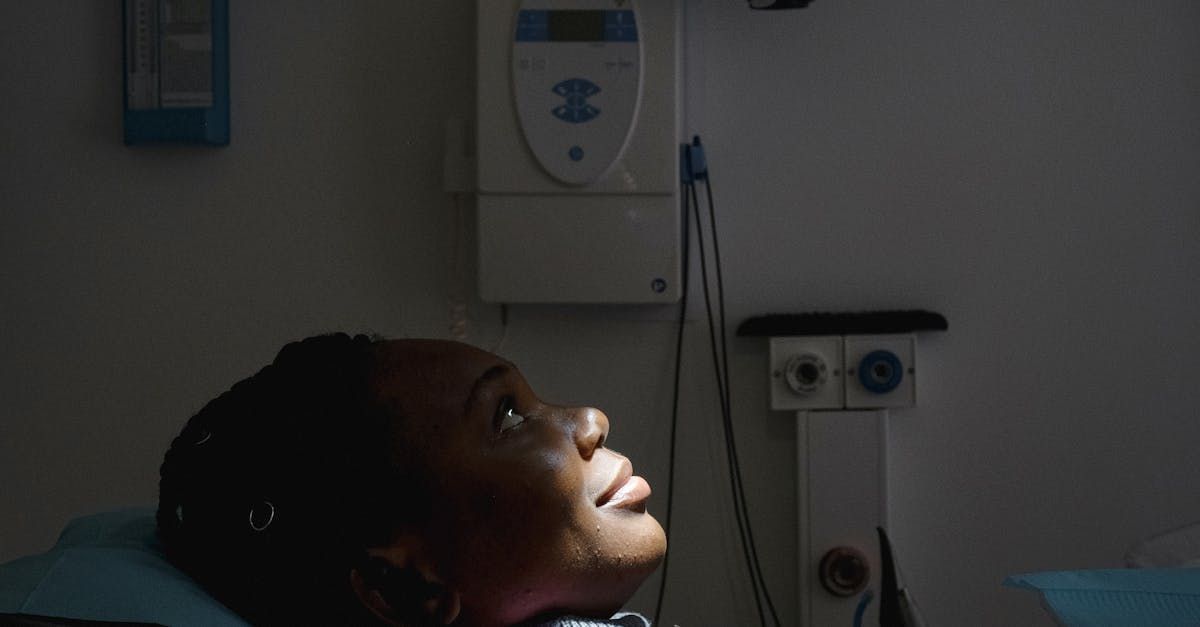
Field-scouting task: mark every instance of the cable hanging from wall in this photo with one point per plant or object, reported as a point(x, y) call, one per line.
point(694, 168)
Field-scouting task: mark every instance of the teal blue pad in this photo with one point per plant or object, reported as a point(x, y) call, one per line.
point(109, 567)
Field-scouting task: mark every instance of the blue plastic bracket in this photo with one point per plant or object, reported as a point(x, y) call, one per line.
point(692, 164)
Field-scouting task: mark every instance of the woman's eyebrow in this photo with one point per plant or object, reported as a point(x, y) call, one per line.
point(498, 371)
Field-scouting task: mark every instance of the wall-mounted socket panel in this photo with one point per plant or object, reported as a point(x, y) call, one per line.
point(806, 372)
point(881, 371)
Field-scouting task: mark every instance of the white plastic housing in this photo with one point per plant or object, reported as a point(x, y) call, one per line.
point(605, 228)
point(577, 100)
point(792, 358)
point(894, 356)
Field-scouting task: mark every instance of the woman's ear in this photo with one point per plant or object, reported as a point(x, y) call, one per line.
point(401, 589)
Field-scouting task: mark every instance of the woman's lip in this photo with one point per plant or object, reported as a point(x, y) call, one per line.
point(631, 495)
point(626, 490)
point(624, 472)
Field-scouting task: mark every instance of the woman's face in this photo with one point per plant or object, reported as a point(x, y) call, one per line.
point(531, 513)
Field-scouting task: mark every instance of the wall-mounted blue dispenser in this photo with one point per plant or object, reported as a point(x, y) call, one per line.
point(176, 59)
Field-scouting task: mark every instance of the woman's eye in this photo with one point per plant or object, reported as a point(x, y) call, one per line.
point(507, 416)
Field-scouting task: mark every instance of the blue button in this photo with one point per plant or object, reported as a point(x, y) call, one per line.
point(533, 26)
point(576, 153)
point(621, 34)
point(533, 16)
point(620, 26)
point(532, 33)
point(576, 109)
point(619, 18)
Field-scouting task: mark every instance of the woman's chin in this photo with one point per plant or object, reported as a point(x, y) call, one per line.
point(649, 542)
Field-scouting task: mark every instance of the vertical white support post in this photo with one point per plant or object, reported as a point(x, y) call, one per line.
point(842, 497)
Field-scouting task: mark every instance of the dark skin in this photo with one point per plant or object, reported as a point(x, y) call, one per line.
point(531, 516)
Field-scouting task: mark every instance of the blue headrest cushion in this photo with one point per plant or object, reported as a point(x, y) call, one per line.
point(110, 567)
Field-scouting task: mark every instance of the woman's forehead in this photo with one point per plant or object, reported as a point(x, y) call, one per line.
point(430, 372)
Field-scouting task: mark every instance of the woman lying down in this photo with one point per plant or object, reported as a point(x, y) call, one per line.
point(407, 482)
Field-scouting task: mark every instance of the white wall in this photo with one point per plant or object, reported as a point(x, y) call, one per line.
point(1030, 170)
point(1026, 168)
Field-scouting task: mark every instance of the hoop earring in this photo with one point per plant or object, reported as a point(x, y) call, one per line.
point(270, 517)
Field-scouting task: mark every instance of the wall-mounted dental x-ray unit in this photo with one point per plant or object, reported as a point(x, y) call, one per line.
point(577, 134)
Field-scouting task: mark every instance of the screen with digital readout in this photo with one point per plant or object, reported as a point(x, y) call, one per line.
point(576, 25)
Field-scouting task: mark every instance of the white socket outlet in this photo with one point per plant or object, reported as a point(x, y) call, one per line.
point(806, 372)
point(880, 371)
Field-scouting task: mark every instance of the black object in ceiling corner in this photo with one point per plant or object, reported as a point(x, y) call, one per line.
point(850, 323)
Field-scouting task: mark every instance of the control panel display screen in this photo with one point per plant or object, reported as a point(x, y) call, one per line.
point(576, 25)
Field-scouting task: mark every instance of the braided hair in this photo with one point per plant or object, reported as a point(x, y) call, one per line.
point(274, 490)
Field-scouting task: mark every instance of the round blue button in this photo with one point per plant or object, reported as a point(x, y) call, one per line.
point(576, 153)
point(880, 371)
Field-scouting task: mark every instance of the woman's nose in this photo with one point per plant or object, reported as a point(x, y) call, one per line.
point(591, 428)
